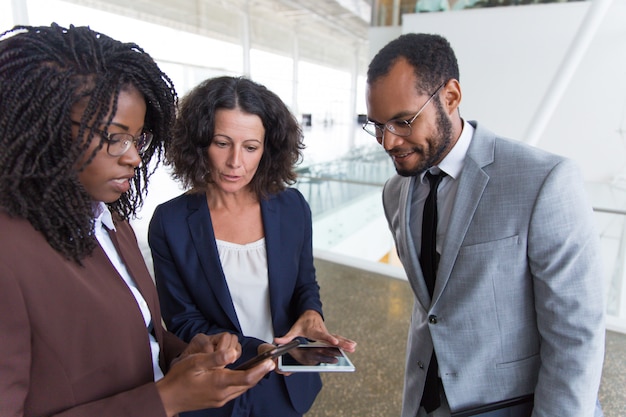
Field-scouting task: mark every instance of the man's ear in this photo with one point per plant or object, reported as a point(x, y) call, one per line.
point(451, 97)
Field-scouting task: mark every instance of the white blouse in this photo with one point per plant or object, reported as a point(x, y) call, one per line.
point(245, 268)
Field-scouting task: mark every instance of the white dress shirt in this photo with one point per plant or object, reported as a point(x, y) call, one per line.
point(104, 221)
point(452, 165)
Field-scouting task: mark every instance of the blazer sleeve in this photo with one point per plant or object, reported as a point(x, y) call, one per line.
point(566, 266)
point(143, 400)
point(172, 348)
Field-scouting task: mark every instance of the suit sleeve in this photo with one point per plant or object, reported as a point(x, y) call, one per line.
point(568, 280)
point(172, 347)
point(179, 308)
point(143, 400)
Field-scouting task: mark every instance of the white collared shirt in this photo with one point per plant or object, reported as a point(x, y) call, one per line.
point(104, 219)
point(452, 165)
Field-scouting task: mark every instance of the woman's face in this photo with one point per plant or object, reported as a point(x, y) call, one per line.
point(236, 149)
point(107, 177)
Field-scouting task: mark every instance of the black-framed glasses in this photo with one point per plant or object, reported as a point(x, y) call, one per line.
point(119, 143)
point(399, 127)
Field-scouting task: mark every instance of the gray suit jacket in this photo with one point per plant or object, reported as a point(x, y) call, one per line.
point(518, 305)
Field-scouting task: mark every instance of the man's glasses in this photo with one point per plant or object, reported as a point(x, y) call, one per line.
point(399, 127)
point(119, 143)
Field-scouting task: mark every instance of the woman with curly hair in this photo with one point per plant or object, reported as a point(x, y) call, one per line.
point(234, 253)
point(81, 118)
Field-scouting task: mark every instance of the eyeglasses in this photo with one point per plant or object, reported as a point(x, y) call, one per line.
point(119, 143)
point(399, 127)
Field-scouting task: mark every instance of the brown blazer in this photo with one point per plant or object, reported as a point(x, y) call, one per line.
point(72, 338)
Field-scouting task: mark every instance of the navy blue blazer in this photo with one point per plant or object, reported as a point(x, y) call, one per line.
point(192, 288)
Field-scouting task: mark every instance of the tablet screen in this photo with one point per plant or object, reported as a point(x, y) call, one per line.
point(315, 358)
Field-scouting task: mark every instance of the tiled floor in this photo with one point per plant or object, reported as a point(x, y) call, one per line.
point(374, 311)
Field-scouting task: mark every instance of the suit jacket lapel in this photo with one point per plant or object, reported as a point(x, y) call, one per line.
point(417, 279)
point(135, 264)
point(472, 183)
point(201, 231)
point(270, 212)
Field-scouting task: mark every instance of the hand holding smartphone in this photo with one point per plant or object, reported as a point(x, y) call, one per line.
point(269, 354)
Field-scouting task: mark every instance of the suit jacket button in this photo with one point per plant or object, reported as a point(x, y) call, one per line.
point(432, 319)
point(420, 364)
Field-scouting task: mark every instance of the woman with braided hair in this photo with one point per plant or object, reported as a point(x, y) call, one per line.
point(81, 118)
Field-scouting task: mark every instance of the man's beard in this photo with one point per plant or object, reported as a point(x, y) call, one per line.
point(441, 141)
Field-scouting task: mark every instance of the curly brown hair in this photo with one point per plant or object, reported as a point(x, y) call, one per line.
point(44, 72)
point(195, 125)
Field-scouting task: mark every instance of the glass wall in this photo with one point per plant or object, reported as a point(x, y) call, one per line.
point(275, 72)
point(322, 92)
point(6, 17)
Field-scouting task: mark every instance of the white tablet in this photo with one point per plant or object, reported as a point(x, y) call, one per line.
point(315, 357)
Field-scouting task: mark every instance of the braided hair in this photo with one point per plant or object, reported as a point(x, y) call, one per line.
point(44, 72)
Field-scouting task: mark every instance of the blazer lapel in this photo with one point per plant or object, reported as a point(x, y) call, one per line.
point(201, 232)
point(472, 183)
point(136, 267)
point(417, 279)
point(270, 212)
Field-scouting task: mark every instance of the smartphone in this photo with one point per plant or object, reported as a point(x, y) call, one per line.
point(315, 357)
point(272, 353)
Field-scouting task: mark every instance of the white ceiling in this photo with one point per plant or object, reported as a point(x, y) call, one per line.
point(328, 32)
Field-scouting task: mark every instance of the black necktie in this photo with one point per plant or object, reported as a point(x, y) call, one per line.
point(429, 260)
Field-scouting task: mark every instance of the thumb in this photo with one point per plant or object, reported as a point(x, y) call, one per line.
point(286, 338)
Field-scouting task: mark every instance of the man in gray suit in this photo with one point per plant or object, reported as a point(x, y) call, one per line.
point(517, 305)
